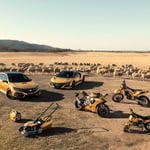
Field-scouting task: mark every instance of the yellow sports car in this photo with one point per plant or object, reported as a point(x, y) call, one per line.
point(67, 79)
point(17, 85)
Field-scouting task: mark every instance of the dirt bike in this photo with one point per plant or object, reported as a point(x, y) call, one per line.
point(94, 102)
point(137, 121)
point(131, 94)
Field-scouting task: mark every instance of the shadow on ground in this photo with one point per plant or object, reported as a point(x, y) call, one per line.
point(118, 114)
point(57, 130)
point(24, 120)
point(88, 85)
point(130, 102)
point(46, 96)
point(138, 131)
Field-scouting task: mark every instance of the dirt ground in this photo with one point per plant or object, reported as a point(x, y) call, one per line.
point(141, 60)
point(73, 129)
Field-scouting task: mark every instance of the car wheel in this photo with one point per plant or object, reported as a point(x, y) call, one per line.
point(9, 94)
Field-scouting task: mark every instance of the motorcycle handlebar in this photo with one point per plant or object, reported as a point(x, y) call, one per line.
point(131, 110)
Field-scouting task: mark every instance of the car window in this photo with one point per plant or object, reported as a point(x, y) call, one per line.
point(3, 77)
point(18, 78)
point(65, 74)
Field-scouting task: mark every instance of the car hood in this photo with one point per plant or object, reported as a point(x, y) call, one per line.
point(61, 80)
point(24, 85)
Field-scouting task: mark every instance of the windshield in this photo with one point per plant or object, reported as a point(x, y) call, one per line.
point(65, 74)
point(18, 78)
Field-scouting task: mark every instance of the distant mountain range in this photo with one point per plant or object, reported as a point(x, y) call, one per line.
point(21, 46)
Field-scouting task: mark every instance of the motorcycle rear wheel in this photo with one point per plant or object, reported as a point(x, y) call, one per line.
point(103, 110)
point(147, 126)
point(144, 101)
point(117, 97)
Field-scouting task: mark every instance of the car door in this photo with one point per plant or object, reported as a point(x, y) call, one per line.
point(3, 83)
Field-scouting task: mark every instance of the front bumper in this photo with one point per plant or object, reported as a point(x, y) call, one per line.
point(18, 94)
point(61, 85)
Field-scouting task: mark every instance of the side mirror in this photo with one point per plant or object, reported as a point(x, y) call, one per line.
point(5, 81)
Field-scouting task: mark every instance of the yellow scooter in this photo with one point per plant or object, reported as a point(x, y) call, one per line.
point(40, 124)
point(94, 102)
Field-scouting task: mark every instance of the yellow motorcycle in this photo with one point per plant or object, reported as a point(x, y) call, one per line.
point(40, 124)
point(94, 102)
point(137, 121)
point(131, 94)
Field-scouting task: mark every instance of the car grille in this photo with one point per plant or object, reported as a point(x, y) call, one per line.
point(29, 90)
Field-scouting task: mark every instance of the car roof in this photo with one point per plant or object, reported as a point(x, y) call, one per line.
point(12, 73)
point(68, 71)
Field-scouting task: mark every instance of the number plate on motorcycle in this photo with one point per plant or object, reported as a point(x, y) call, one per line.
point(130, 117)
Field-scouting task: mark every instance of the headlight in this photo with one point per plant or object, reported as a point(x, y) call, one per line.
point(18, 89)
point(37, 87)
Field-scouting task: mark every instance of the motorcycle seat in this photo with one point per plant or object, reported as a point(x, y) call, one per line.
point(142, 117)
point(145, 117)
point(135, 90)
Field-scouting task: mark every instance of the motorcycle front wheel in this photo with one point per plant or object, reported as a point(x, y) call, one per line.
point(147, 126)
point(117, 97)
point(78, 106)
point(144, 101)
point(126, 128)
point(103, 110)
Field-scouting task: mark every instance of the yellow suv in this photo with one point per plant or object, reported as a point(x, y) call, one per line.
point(17, 85)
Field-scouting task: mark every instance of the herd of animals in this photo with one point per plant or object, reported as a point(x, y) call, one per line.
point(110, 70)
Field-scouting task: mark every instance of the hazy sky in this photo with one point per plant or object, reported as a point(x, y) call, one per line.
point(78, 24)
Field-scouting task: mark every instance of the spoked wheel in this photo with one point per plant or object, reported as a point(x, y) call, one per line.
point(78, 106)
point(103, 110)
point(147, 126)
point(117, 97)
point(144, 101)
point(9, 94)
